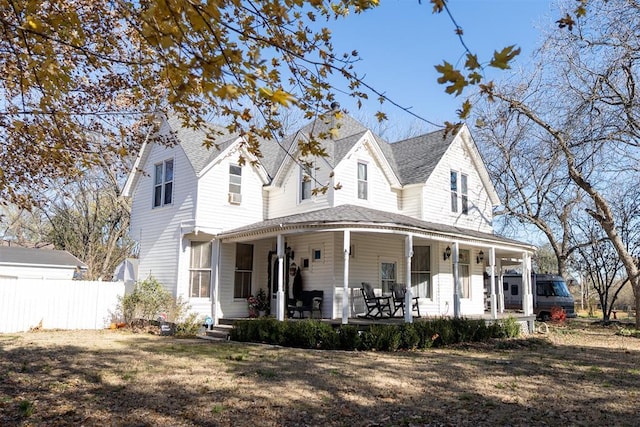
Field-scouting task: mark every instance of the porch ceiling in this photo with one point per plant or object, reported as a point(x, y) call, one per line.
point(371, 220)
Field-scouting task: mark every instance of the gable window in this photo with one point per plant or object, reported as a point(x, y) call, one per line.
point(200, 270)
point(454, 191)
point(306, 181)
point(387, 276)
point(244, 271)
point(363, 189)
point(163, 183)
point(464, 273)
point(235, 184)
point(463, 194)
point(421, 272)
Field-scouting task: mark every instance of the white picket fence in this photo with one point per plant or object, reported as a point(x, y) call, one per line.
point(57, 304)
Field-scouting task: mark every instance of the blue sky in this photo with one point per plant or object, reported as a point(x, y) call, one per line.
point(401, 41)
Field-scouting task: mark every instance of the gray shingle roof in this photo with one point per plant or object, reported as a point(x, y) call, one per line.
point(38, 257)
point(413, 160)
point(191, 142)
point(358, 215)
point(416, 158)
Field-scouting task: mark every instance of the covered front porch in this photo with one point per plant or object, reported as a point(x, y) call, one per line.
point(452, 271)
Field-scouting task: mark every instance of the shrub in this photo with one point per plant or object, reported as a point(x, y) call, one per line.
point(349, 337)
point(410, 337)
point(510, 328)
point(381, 338)
point(148, 300)
point(419, 335)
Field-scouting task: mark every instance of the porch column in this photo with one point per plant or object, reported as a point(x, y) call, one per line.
point(500, 287)
point(215, 281)
point(345, 278)
point(280, 302)
point(408, 296)
point(456, 281)
point(492, 282)
point(527, 297)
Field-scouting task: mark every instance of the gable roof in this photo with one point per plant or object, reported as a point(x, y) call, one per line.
point(417, 157)
point(16, 255)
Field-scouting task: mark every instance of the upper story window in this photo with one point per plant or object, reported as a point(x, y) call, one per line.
point(235, 184)
point(163, 183)
point(363, 190)
point(306, 181)
point(459, 189)
point(463, 194)
point(454, 191)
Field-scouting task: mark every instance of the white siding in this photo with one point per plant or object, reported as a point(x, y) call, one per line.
point(412, 201)
point(286, 200)
point(437, 193)
point(380, 194)
point(31, 272)
point(214, 209)
point(157, 230)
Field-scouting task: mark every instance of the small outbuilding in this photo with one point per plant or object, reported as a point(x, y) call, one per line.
point(32, 263)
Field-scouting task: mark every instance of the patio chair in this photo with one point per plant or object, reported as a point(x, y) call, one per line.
point(399, 291)
point(375, 305)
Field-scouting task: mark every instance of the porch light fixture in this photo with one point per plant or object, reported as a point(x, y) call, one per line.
point(480, 257)
point(447, 253)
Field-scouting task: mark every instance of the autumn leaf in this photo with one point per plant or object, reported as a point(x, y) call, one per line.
point(501, 59)
point(453, 76)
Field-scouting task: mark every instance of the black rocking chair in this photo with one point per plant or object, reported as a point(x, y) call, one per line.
point(375, 305)
point(399, 291)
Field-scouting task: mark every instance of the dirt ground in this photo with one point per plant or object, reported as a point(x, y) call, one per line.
point(579, 375)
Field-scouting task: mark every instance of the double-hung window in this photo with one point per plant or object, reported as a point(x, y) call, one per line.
point(421, 272)
point(363, 190)
point(454, 191)
point(235, 184)
point(244, 271)
point(163, 183)
point(200, 270)
point(459, 190)
point(387, 276)
point(306, 181)
point(464, 273)
point(464, 194)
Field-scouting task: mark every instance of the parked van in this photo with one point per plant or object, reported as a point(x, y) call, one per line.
point(548, 290)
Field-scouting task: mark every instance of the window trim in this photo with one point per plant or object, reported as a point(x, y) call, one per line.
point(424, 292)
point(306, 171)
point(465, 280)
point(453, 188)
point(160, 182)
point(249, 273)
point(199, 268)
point(464, 193)
point(390, 282)
point(235, 194)
point(364, 181)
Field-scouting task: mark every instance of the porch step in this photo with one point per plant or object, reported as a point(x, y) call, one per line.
point(220, 332)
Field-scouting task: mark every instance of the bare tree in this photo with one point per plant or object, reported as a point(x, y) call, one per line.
point(584, 103)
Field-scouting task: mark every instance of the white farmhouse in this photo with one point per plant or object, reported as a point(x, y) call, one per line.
point(215, 230)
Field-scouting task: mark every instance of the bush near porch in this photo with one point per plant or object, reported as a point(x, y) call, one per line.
point(408, 336)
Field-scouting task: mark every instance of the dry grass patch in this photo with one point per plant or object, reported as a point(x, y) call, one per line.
point(578, 375)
